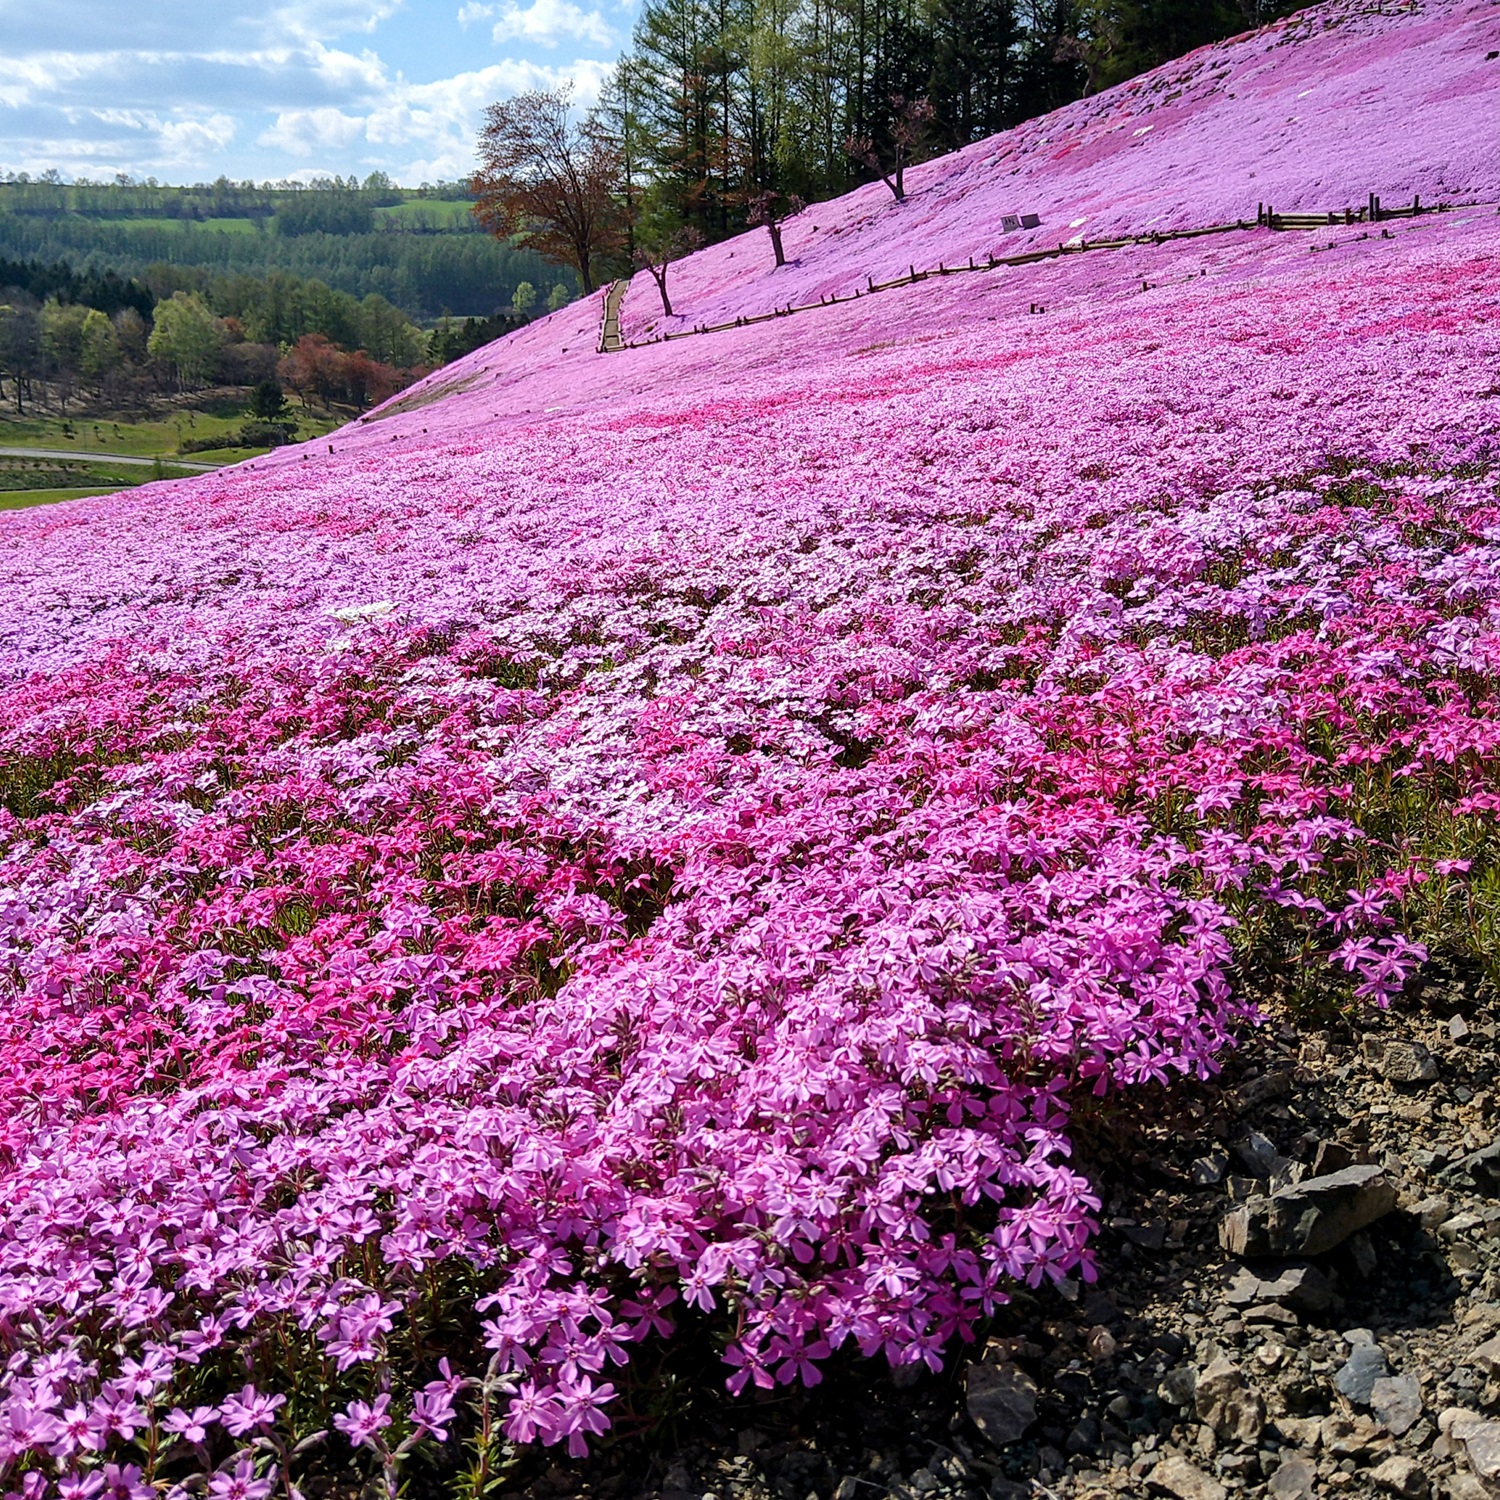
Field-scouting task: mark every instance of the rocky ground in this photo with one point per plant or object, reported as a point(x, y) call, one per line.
point(1299, 1296)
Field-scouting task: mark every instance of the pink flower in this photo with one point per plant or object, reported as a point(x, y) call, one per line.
point(193, 1427)
point(361, 1423)
point(249, 1410)
point(242, 1483)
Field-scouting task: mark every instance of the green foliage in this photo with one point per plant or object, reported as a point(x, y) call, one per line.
point(186, 336)
point(421, 251)
point(524, 299)
point(268, 402)
point(452, 340)
point(325, 213)
point(718, 100)
point(62, 334)
point(99, 346)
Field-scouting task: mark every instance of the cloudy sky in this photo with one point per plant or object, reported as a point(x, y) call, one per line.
point(184, 90)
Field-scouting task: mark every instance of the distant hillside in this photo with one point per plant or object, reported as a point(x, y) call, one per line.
point(418, 249)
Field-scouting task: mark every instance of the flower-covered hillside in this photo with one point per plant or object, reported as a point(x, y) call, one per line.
point(666, 839)
point(1315, 112)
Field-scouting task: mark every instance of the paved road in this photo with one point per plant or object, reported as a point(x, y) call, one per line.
point(102, 458)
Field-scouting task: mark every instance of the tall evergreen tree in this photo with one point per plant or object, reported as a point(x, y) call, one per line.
point(973, 58)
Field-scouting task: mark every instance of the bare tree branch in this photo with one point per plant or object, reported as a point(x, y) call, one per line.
point(549, 182)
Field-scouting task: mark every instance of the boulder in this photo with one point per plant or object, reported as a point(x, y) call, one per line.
point(1304, 1289)
point(1178, 1385)
point(1479, 1437)
point(1295, 1479)
point(1176, 1476)
point(1396, 1402)
point(1402, 1062)
point(1259, 1154)
point(1226, 1403)
point(1479, 1170)
point(1356, 1380)
point(1481, 1442)
point(1001, 1400)
point(1400, 1475)
point(1310, 1217)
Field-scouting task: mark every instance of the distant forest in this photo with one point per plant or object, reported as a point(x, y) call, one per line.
point(418, 249)
point(720, 100)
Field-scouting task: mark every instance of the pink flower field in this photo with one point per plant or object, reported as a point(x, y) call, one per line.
point(619, 843)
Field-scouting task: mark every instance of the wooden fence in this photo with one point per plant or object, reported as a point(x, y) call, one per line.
point(611, 340)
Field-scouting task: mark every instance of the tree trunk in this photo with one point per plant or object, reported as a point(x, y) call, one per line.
point(775, 229)
point(659, 276)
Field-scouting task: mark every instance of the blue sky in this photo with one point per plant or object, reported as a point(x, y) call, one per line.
point(184, 90)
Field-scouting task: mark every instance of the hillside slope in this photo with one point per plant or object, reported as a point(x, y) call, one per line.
point(617, 842)
point(1313, 113)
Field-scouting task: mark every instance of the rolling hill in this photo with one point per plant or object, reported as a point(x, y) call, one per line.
point(614, 842)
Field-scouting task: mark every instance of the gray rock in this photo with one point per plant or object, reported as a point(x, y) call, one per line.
point(1402, 1062)
point(1332, 1156)
point(1178, 1385)
point(1295, 1479)
point(1311, 1217)
point(1176, 1476)
point(1467, 1487)
point(1225, 1403)
point(1480, 1439)
point(1244, 1289)
point(1458, 1028)
point(1259, 1154)
point(1479, 1170)
point(1147, 1236)
point(1403, 1476)
point(1271, 1312)
point(1487, 1356)
point(1305, 1289)
point(1001, 1399)
point(1365, 1365)
point(1396, 1402)
point(1084, 1437)
point(1208, 1171)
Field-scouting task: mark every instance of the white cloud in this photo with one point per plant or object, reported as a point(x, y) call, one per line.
point(185, 91)
point(311, 132)
point(189, 141)
point(425, 131)
point(546, 22)
point(314, 19)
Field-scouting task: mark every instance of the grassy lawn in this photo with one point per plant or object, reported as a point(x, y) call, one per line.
point(153, 439)
point(224, 226)
point(439, 213)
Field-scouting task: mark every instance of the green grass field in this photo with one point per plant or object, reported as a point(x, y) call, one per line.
point(155, 439)
point(440, 213)
point(220, 226)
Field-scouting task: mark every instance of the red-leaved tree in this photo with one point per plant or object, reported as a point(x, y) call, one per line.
point(549, 181)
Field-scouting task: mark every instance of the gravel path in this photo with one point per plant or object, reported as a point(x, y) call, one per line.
point(105, 458)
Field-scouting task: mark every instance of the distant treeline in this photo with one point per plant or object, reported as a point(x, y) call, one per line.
point(419, 250)
point(719, 100)
point(106, 290)
point(65, 334)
